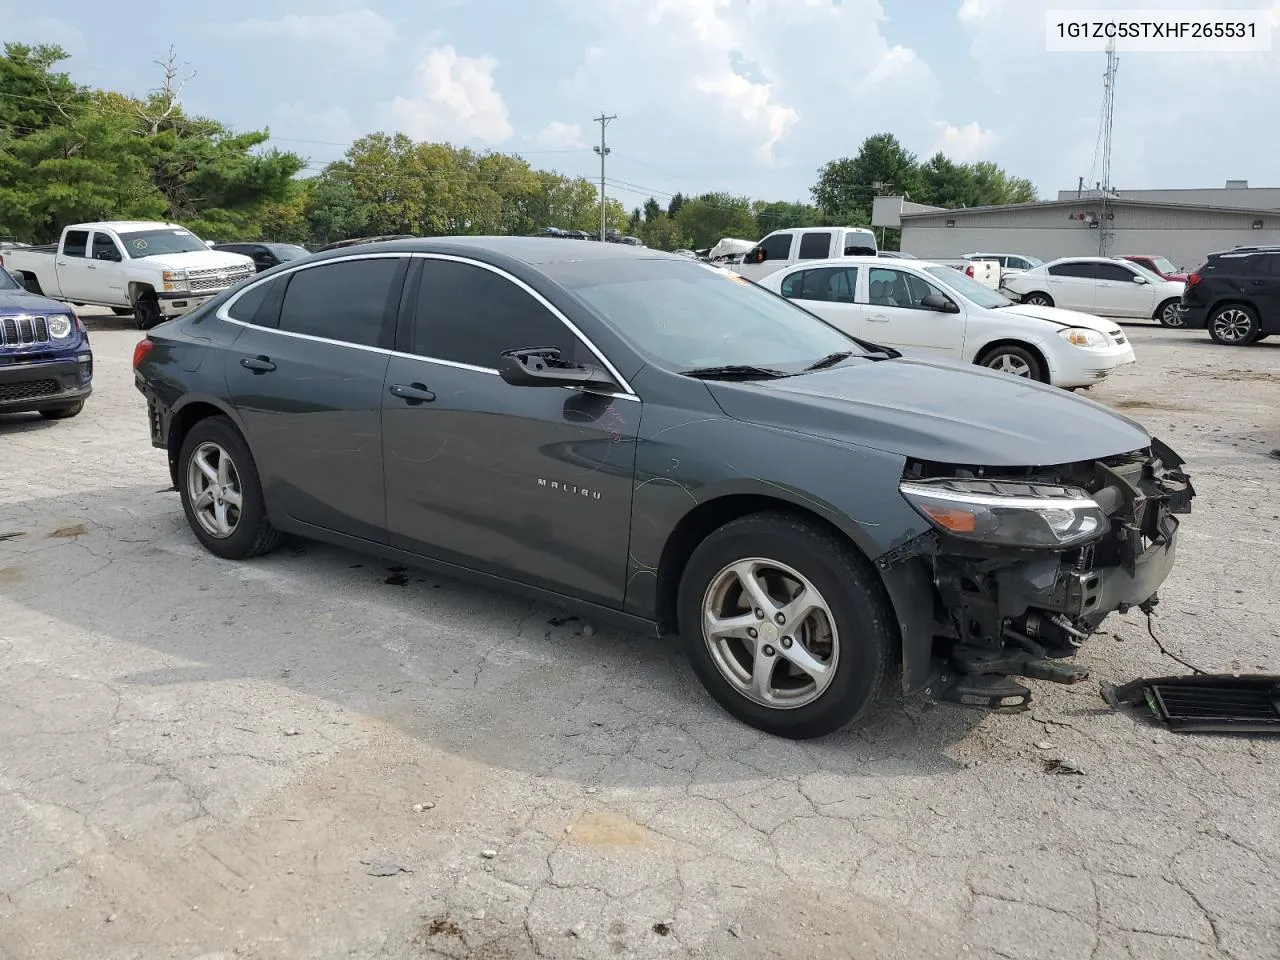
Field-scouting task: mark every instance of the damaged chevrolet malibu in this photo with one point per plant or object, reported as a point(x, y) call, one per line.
point(823, 521)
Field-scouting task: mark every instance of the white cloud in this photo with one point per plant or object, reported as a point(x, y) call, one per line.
point(361, 29)
point(964, 144)
point(455, 99)
point(558, 135)
point(973, 10)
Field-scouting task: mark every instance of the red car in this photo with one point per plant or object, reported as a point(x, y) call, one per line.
point(1159, 266)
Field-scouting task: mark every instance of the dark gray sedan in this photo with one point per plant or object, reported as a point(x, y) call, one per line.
point(646, 437)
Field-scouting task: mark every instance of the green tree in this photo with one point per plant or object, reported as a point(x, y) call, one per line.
point(663, 233)
point(846, 187)
point(673, 208)
point(711, 217)
point(779, 215)
point(652, 210)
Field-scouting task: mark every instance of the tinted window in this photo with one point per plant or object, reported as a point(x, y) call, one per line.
point(104, 248)
point(858, 245)
point(471, 315)
point(826, 284)
point(897, 288)
point(1073, 268)
point(76, 243)
point(341, 301)
point(1263, 265)
point(245, 309)
point(777, 247)
point(1113, 271)
point(815, 246)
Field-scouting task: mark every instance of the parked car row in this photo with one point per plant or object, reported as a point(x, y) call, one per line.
point(819, 516)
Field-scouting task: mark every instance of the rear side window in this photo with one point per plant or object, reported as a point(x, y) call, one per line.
point(1263, 265)
point(815, 246)
point(345, 301)
point(1073, 268)
point(248, 307)
point(777, 247)
point(857, 245)
point(824, 284)
point(76, 243)
point(467, 314)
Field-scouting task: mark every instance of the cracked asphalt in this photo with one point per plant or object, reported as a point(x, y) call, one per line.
point(315, 756)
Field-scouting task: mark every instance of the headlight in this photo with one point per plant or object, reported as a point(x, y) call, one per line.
point(59, 327)
point(1081, 337)
point(1008, 513)
point(175, 280)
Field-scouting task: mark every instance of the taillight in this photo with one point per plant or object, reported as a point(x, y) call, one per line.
point(140, 352)
point(968, 271)
point(1193, 279)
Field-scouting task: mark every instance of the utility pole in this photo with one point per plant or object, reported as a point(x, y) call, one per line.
point(603, 150)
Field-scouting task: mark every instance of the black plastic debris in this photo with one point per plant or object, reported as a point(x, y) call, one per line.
point(1206, 703)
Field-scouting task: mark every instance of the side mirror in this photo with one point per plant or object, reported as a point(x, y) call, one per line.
point(542, 367)
point(755, 255)
point(112, 256)
point(1138, 279)
point(936, 301)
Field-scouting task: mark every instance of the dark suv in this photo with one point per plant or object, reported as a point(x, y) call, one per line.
point(1236, 295)
point(267, 255)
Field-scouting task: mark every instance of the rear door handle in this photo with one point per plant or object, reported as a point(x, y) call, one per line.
point(412, 393)
point(878, 318)
point(257, 364)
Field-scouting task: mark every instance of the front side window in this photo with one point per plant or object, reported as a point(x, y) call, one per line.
point(76, 243)
point(685, 316)
point(777, 247)
point(897, 288)
point(824, 284)
point(104, 248)
point(345, 301)
point(815, 246)
point(140, 244)
point(969, 288)
point(467, 314)
point(1116, 273)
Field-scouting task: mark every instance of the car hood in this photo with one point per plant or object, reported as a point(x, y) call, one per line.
point(938, 411)
point(196, 260)
point(20, 301)
point(1058, 316)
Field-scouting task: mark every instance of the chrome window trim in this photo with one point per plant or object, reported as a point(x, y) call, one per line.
point(223, 313)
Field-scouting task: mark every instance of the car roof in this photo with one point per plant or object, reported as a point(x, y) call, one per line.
point(530, 250)
point(869, 260)
point(128, 225)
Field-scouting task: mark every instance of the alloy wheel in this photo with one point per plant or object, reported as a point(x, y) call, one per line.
point(770, 633)
point(1232, 325)
point(213, 488)
point(1009, 363)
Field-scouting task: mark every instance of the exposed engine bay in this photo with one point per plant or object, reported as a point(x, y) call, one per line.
point(1026, 563)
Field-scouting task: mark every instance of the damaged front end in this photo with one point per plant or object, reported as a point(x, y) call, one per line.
point(1024, 564)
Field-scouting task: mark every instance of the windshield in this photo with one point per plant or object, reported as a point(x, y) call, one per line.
point(1163, 265)
point(973, 291)
point(1034, 261)
point(287, 251)
point(7, 281)
point(153, 243)
point(1139, 268)
point(688, 316)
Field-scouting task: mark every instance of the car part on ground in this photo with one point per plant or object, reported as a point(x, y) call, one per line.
point(1205, 703)
point(635, 435)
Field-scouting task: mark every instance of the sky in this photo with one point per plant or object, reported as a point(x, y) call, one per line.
point(746, 96)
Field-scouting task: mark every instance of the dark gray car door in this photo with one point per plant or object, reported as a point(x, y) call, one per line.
point(530, 483)
point(307, 378)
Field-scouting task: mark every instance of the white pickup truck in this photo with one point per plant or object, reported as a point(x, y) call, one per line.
point(782, 248)
point(150, 270)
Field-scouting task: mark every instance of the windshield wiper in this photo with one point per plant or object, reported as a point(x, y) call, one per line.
point(735, 371)
point(830, 360)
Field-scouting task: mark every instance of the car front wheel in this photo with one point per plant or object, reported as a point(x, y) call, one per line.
point(63, 413)
point(785, 625)
point(221, 493)
point(1038, 299)
point(1234, 325)
point(1018, 361)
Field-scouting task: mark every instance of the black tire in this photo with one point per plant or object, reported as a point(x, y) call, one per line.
point(859, 610)
point(1038, 298)
point(253, 533)
point(63, 413)
point(146, 313)
point(1007, 355)
point(1234, 325)
point(123, 311)
point(1170, 314)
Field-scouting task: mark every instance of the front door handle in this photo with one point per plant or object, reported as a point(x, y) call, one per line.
point(257, 364)
point(879, 318)
point(412, 393)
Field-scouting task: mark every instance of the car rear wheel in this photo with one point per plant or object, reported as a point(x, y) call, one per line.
point(1018, 361)
point(221, 493)
point(1038, 299)
point(63, 413)
point(785, 625)
point(1169, 314)
point(1234, 325)
point(146, 313)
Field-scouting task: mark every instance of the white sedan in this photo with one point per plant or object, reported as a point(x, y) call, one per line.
point(1101, 286)
point(921, 307)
